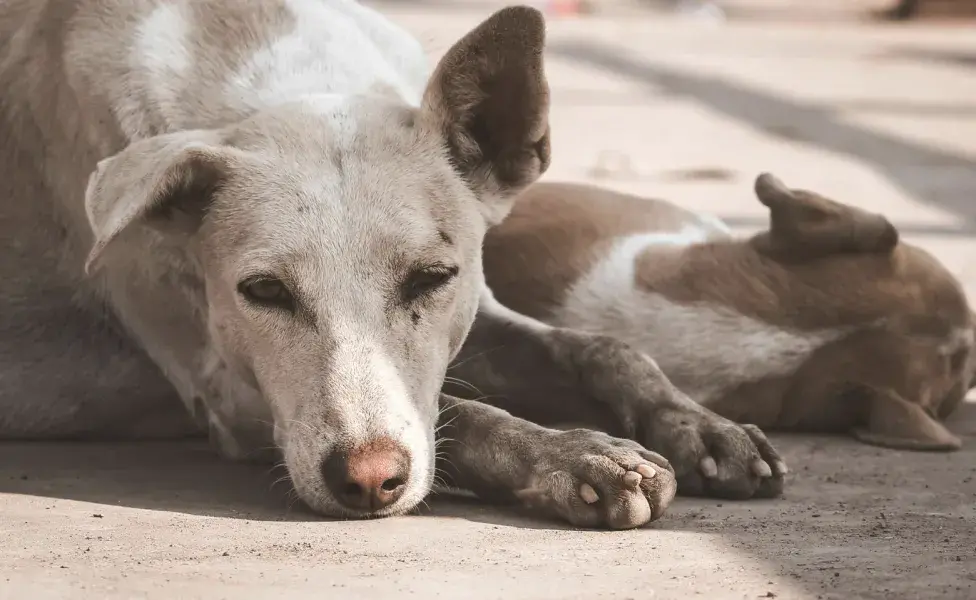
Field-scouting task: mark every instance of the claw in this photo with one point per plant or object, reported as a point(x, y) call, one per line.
point(632, 479)
point(708, 467)
point(780, 468)
point(761, 468)
point(647, 471)
point(588, 494)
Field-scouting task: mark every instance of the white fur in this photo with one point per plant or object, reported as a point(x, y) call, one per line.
point(299, 63)
point(161, 43)
point(737, 349)
point(396, 418)
point(169, 71)
point(959, 338)
point(716, 225)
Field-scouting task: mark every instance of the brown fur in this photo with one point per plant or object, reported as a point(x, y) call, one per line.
point(557, 232)
point(897, 366)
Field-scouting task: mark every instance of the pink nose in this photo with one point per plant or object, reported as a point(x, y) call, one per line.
point(369, 477)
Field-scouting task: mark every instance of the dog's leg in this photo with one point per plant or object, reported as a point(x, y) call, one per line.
point(896, 423)
point(584, 476)
point(554, 376)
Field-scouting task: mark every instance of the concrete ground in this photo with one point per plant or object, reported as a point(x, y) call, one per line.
point(881, 116)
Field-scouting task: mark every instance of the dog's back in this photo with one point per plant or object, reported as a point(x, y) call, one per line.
point(809, 325)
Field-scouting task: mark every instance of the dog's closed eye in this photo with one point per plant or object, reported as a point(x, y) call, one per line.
point(425, 281)
point(267, 291)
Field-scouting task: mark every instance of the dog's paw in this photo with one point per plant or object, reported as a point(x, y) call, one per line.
point(712, 456)
point(593, 480)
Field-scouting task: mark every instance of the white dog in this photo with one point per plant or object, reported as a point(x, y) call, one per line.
point(275, 210)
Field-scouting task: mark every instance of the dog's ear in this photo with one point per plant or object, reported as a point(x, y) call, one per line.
point(896, 423)
point(489, 99)
point(807, 226)
point(165, 181)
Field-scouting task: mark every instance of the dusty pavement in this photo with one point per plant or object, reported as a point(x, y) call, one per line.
point(881, 116)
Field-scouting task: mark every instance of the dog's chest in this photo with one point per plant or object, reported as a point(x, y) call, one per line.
point(706, 349)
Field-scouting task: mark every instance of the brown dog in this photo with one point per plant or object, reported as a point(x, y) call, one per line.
point(823, 323)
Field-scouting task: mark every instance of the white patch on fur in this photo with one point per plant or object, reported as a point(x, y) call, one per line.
point(715, 224)
point(303, 62)
point(705, 349)
point(488, 304)
point(959, 338)
point(399, 419)
point(162, 51)
point(389, 412)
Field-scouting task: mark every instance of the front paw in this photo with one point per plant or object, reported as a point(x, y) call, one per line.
point(593, 480)
point(712, 456)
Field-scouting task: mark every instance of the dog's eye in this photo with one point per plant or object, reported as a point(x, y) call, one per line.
point(422, 282)
point(267, 292)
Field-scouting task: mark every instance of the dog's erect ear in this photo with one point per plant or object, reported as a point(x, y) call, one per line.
point(489, 99)
point(807, 226)
point(167, 180)
point(896, 423)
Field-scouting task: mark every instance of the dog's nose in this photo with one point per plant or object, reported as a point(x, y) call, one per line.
point(369, 477)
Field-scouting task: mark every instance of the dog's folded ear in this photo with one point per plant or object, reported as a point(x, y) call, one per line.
point(807, 226)
point(165, 181)
point(896, 423)
point(489, 99)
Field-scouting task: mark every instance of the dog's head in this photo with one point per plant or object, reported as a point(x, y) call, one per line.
point(857, 255)
point(339, 246)
point(805, 225)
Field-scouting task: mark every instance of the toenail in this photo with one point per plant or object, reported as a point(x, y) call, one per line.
point(708, 467)
point(588, 494)
point(761, 468)
point(646, 470)
point(632, 479)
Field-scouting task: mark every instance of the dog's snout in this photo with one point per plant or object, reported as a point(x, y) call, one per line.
point(369, 477)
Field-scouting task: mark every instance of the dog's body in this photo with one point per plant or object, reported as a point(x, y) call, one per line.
point(823, 323)
point(276, 210)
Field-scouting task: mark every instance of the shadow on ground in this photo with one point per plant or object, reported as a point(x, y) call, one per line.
point(185, 477)
point(932, 175)
point(856, 520)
